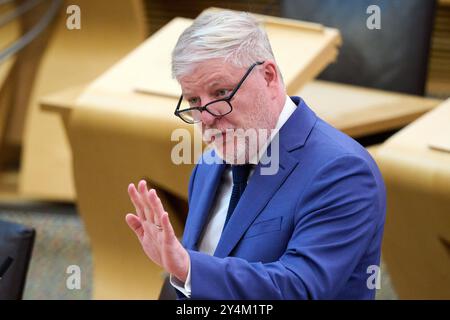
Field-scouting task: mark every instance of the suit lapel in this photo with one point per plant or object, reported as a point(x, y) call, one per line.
point(203, 205)
point(261, 188)
point(253, 202)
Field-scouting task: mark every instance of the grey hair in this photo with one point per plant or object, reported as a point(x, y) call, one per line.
point(236, 37)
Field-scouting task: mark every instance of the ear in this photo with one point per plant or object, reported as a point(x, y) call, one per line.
point(270, 74)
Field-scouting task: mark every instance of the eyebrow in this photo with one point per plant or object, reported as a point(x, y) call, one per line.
point(222, 81)
point(210, 85)
point(213, 84)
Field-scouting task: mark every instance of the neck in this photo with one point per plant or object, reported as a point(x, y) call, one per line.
point(280, 100)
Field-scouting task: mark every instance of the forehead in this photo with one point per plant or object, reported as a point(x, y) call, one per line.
point(208, 74)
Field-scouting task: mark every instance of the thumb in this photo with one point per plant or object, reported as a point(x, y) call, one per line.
point(135, 224)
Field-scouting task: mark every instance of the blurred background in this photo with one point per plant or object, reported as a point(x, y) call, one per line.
point(86, 107)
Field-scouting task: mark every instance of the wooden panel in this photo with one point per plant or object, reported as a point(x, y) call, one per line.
point(8, 34)
point(417, 232)
point(439, 65)
point(360, 111)
point(109, 30)
point(318, 46)
point(28, 60)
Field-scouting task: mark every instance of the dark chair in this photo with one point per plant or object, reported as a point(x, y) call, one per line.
point(394, 57)
point(167, 291)
point(16, 246)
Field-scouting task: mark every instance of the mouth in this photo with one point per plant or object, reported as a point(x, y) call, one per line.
point(223, 135)
point(220, 135)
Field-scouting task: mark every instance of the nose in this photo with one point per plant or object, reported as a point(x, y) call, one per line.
point(207, 118)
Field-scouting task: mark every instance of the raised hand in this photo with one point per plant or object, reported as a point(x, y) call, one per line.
point(155, 232)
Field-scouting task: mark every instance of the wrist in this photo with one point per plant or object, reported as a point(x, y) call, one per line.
point(183, 271)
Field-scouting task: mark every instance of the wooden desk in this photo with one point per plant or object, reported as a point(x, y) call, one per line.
point(108, 31)
point(415, 164)
point(360, 111)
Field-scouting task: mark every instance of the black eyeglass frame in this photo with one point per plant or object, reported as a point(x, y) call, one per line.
point(227, 99)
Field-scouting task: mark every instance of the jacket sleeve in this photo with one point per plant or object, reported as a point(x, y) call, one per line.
point(335, 219)
point(183, 295)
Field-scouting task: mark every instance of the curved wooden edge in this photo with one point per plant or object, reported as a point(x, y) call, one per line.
point(46, 159)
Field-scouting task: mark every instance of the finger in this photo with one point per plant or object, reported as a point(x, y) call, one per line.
point(169, 233)
point(137, 202)
point(157, 206)
point(143, 192)
point(135, 224)
point(147, 211)
point(142, 188)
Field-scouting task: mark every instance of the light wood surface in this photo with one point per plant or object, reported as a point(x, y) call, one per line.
point(301, 49)
point(360, 111)
point(6, 69)
point(108, 31)
point(355, 110)
point(120, 89)
point(8, 34)
point(25, 72)
point(416, 244)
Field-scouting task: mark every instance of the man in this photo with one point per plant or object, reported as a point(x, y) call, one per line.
point(310, 230)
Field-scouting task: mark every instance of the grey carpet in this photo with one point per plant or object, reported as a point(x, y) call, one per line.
point(60, 242)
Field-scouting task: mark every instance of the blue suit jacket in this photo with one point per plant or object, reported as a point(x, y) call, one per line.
point(311, 231)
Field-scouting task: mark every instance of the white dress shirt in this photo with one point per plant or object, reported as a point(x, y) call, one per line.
point(213, 230)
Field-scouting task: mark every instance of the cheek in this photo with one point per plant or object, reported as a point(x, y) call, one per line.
point(247, 110)
point(243, 108)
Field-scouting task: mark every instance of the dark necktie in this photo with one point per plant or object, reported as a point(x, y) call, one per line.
point(240, 176)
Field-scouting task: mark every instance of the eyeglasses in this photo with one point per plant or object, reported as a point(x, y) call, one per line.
point(218, 108)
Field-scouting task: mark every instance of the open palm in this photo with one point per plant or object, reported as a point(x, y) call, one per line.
point(155, 232)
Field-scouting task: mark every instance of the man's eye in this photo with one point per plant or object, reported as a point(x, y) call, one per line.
point(193, 101)
point(221, 92)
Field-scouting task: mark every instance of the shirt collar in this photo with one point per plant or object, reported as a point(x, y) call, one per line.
point(288, 110)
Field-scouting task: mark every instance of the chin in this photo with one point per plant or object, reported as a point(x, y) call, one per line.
point(233, 155)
